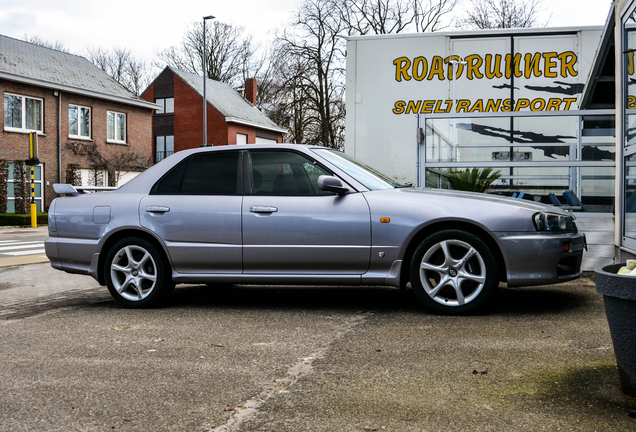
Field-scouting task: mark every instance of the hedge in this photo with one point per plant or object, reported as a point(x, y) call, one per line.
point(12, 219)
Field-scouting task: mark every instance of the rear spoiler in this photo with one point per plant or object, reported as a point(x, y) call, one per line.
point(63, 188)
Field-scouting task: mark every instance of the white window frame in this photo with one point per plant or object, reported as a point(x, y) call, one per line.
point(162, 102)
point(115, 139)
point(23, 119)
point(90, 122)
point(39, 199)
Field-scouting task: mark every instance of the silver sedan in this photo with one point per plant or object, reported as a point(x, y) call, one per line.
point(292, 214)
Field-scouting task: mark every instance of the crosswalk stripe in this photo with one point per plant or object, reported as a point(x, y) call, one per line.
point(28, 252)
point(21, 246)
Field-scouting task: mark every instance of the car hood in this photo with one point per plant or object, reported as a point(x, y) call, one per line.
point(483, 197)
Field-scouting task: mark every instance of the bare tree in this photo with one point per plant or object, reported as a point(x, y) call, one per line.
point(494, 14)
point(316, 50)
point(306, 72)
point(115, 164)
point(122, 66)
point(393, 16)
point(37, 40)
point(230, 56)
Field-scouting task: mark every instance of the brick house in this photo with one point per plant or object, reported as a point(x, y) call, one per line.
point(231, 119)
point(72, 104)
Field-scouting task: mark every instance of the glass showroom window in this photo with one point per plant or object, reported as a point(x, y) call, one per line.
point(116, 126)
point(629, 133)
point(167, 106)
point(164, 147)
point(22, 113)
point(79, 121)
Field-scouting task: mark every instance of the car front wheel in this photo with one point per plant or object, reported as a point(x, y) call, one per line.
point(136, 274)
point(453, 272)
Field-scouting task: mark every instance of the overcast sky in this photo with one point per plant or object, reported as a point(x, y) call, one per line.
point(146, 27)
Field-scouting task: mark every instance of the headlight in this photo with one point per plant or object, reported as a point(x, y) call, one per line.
point(554, 222)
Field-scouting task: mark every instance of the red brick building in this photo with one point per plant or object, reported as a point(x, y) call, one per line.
point(231, 119)
point(71, 104)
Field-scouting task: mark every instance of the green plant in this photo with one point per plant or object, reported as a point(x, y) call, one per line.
point(14, 219)
point(475, 180)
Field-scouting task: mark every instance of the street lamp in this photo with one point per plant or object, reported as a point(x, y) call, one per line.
point(205, 99)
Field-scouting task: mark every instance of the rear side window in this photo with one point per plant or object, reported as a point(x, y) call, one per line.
point(210, 173)
point(171, 182)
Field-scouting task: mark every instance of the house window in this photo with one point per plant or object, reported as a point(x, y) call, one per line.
point(22, 113)
point(79, 121)
point(167, 105)
point(116, 124)
point(164, 147)
point(26, 184)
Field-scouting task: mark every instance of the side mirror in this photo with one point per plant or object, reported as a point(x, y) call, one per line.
point(331, 184)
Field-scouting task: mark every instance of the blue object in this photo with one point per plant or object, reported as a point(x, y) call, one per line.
point(554, 200)
point(573, 200)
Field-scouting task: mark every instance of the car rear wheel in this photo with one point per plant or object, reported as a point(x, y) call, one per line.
point(453, 272)
point(136, 274)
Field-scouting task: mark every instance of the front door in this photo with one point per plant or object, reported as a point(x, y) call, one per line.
point(292, 227)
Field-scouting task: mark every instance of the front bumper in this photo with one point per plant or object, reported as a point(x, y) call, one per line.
point(539, 258)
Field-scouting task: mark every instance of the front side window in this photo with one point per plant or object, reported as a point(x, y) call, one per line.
point(79, 121)
point(285, 174)
point(116, 124)
point(22, 112)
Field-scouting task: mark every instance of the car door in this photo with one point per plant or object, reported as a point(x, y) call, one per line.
point(292, 227)
point(196, 210)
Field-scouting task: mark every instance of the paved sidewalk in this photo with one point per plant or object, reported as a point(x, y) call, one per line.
point(11, 233)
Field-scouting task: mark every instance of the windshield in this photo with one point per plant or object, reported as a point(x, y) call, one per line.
point(363, 173)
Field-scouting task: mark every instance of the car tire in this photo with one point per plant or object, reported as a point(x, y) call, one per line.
point(453, 272)
point(136, 274)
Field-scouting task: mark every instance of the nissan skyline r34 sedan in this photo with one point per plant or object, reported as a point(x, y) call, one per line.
point(294, 214)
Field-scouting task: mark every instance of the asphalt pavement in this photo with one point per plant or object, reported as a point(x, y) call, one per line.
point(270, 358)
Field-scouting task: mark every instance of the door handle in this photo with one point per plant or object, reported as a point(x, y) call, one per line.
point(157, 209)
point(263, 209)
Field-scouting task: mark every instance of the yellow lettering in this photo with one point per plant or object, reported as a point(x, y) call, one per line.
point(549, 64)
point(630, 63)
point(493, 105)
point(438, 106)
point(402, 66)
point(553, 104)
point(522, 103)
point(412, 107)
point(568, 60)
point(631, 102)
point(493, 71)
point(477, 106)
point(451, 66)
point(513, 64)
point(449, 105)
point(398, 108)
point(532, 65)
point(507, 105)
point(568, 102)
point(437, 68)
point(533, 104)
point(474, 62)
point(420, 63)
point(462, 104)
point(427, 107)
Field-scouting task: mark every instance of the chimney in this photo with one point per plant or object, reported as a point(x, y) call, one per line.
point(250, 90)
